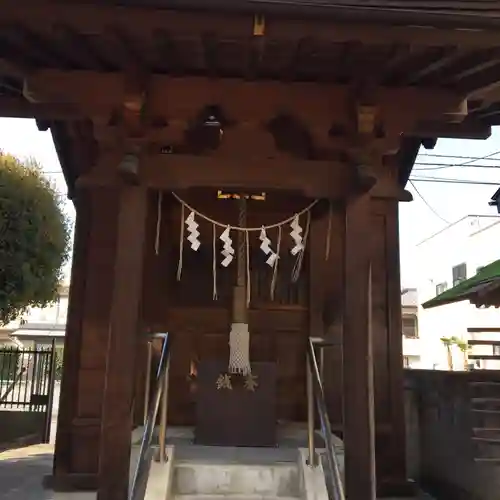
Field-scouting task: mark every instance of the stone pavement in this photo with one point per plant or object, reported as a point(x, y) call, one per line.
point(22, 471)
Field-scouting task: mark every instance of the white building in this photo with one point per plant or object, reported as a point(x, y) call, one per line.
point(444, 259)
point(410, 328)
point(39, 325)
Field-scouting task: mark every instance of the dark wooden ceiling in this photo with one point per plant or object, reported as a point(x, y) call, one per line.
point(471, 68)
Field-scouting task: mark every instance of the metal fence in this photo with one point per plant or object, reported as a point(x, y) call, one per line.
point(27, 380)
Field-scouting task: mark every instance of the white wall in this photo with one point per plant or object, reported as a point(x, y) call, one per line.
point(54, 314)
point(473, 240)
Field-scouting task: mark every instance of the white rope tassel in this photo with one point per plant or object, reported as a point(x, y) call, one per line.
point(181, 245)
point(158, 223)
point(276, 262)
point(214, 263)
point(329, 232)
point(247, 259)
point(239, 349)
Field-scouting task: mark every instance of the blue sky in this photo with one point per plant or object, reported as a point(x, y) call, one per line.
point(417, 220)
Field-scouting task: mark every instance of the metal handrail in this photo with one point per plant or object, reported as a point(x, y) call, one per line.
point(138, 489)
point(316, 393)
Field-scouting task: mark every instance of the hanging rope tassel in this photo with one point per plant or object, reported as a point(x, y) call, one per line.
point(247, 252)
point(158, 223)
point(214, 262)
point(276, 262)
point(181, 245)
point(329, 232)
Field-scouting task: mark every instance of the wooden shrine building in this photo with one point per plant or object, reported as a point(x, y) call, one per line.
point(165, 116)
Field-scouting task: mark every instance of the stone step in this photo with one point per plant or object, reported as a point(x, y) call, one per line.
point(230, 497)
point(229, 479)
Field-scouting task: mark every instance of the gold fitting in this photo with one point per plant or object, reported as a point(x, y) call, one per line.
point(259, 25)
point(366, 119)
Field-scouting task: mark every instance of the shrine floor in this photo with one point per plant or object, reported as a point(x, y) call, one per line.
point(22, 470)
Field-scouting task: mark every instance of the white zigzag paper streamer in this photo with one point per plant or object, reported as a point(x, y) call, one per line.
point(192, 227)
point(227, 249)
point(266, 242)
point(265, 246)
point(273, 257)
point(296, 235)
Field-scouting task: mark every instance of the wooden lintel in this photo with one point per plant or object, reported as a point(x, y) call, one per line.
point(13, 68)
point(182, 98)
point(395, 193)
point(317, 179)
point(468, 129)
point(19, 107)
point(233, 25)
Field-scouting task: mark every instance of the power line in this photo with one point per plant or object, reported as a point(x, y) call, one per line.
point(427, 204)
point(441, 166)
point(435, 155)
point(472, 159)
point(482, 158)
point(454, 181)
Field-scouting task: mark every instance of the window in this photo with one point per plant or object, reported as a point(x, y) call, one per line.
point(441, 287)
point(406, 362)
point(496, 350)
point(410, 326)
point(459, 273)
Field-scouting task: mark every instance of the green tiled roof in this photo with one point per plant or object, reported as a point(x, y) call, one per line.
point(488, 277)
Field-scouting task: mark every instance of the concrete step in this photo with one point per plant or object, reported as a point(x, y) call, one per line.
point(230, 497)
point(236, 479)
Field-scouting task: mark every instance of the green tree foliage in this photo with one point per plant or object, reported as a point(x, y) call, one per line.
point(34, 238)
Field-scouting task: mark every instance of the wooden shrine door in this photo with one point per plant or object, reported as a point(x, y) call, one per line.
point(198, 315)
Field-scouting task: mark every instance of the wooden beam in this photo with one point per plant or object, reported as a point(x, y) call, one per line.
point(13, 69)
point(117, 418)
point(358, 394)
point(318, 179)
point(19, 107)
point(446, 57)
point(476, 63)
point(468, 129)
point(255, 102)
point(94, 19)
point(480, 84)
point(68, 37)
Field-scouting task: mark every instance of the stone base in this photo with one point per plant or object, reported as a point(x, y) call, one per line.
point(70, 482)
point(392, 488)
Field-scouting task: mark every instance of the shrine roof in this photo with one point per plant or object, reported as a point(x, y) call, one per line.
point(482, 289)
point(440, 44)
point(452, 12)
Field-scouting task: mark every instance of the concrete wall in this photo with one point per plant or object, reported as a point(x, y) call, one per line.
point(442, 454)
point(21, 427)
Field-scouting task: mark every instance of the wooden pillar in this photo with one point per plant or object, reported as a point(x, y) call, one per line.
point(397, 484)
point(79, 422)
point(117, 411)
point(72, 343)
point(359, 425)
